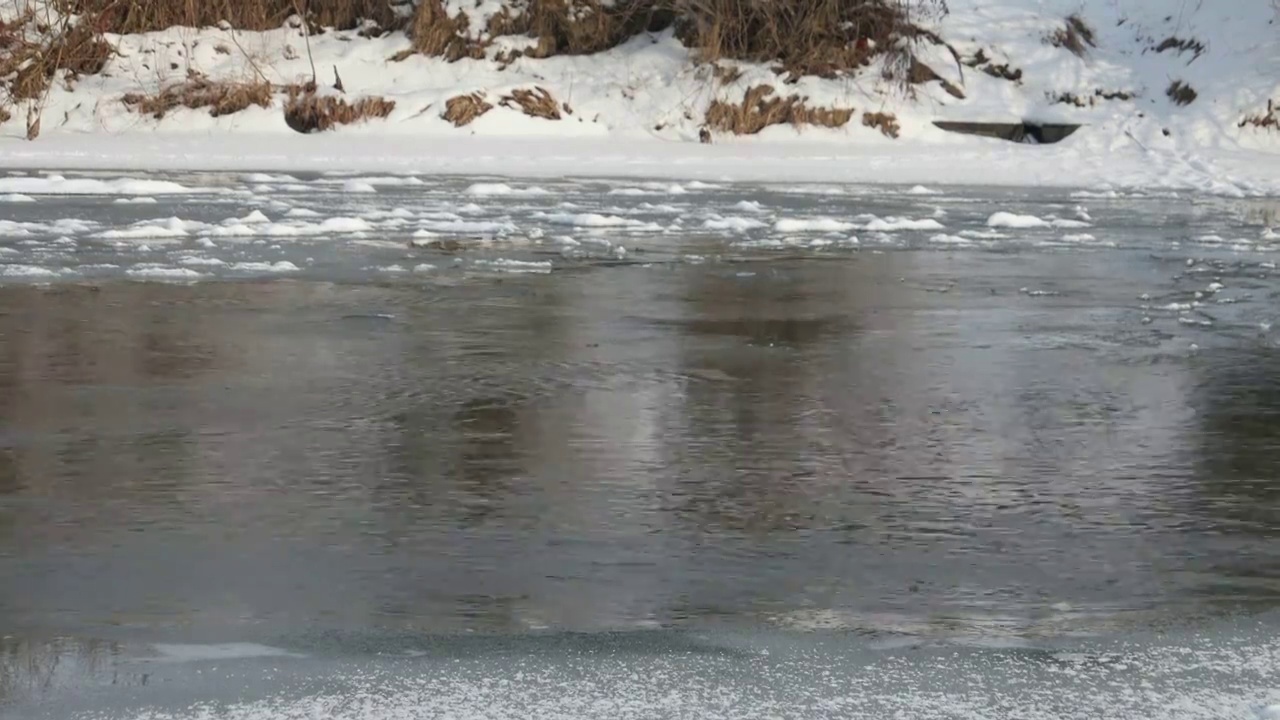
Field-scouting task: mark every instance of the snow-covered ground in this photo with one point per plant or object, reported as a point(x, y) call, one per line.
point(636, 111)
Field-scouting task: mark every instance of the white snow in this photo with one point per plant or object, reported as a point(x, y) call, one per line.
point(515, 266)
point(59, 185)
point(892, 224)
point(198, 260)
point(16, 198)
point(491, 189)
point(733, 224)
point(595, 220)
point(804, 225)
point(161, 272)
point(281, 266)
point(638, 109)
point(142, 200)
point(27, 271)
point(922, 190)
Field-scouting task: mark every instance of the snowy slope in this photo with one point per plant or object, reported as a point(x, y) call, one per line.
point(638, 109)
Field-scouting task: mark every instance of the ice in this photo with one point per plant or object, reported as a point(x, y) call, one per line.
point(515, 266)
point(750, 206)
point(922, 190)
point(171, 228)
point(197, 260)
point(423, 267)
point(27, 271)
point(221, 652)
point(16, 198)
point(733, 224)
point(502, 189)
point(358, 186)
point(431, 229)
point(822, 224)
point(162, 272)
point(892, 224)
point(252, 218)
point(302, 213)
point(944, 239)
point(281, 266)
point(60, 185)
point(140, 200)
point(1011, 220)
point(1079, 238)
point(595, 220)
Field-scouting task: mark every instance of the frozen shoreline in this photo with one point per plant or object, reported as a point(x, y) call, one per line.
point(966, 161)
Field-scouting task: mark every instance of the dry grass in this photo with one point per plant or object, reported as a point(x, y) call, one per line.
point(886, 123)
point(1181, 93)
point(537, 102)
point(1068, 98)
point(463, 109)
point(32, 58)
point(758, 110)
point(1075, 36)
point(1264, 121)
point(306, 112)
point(918, 74)
point(137, 16)
point(826, 38)
point(1182, 45)
point(561, 27)
point(222, 98)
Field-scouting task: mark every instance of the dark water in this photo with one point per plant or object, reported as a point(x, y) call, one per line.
point(894, 484)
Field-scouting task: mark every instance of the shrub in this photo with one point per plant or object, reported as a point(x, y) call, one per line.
point(758, 111)
point(222, 98)
point(307, 112)
point(463, 109)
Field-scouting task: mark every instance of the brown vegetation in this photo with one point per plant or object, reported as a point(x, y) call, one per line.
point(1075, 36)
point(463, 109)
point(222, 98)
point(307, 112)
point(887, 123)
point(1068, 98)
point(1264, 121)
point(1181, 93)
point(1182, 45)
point(537, 102)
point(758, 111)
point(149, 15)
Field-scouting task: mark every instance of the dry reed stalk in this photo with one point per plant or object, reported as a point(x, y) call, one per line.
point(537, 102)
point(463, 109)
point(758, 111)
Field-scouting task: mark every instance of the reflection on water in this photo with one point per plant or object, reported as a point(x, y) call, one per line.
point(815, 443)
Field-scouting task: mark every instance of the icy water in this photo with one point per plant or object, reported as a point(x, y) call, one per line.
point(406, 447)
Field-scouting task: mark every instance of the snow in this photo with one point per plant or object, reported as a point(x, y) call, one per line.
point(282, 266)
point(491, 189)
point(26, 271)
point(896, 223)
point(822, 224)
point(16, 198)
point(637, 110)
point(59, 185)
point(160, 272)
point(733, 224)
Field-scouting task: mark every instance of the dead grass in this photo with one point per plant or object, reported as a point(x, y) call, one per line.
point(33, 57)
point(887, 123)
point(1068, 98)
point(826, 38)
point(919, 74)
point(561, 27)
point(537, 102)
point(760, 108)
point(135, 16)
point(1075, 36)
point(463, 109)
point(306, 112)
point(1264, 121)
point(1182, 45)
point(1181, 93)
point(222, 98)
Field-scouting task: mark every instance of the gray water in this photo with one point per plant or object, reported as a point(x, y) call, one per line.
point(615, 450)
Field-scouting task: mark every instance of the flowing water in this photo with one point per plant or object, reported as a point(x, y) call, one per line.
point(341, 447)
